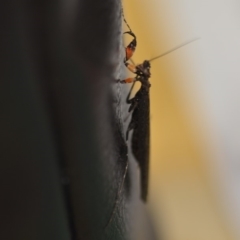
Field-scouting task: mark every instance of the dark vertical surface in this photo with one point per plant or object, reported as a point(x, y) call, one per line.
point(62, 145)
point(31, 202)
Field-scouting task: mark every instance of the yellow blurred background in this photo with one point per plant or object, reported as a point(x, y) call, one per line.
point(187, 166)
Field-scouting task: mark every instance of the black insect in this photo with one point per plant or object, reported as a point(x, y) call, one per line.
point(139, 107)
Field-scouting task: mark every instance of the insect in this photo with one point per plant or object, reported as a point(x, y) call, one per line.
point(139, 107)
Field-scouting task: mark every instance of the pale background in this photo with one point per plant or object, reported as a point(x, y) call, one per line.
point(195, 115)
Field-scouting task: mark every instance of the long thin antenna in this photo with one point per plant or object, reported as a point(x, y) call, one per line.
point(125, 20)
point(175, 48)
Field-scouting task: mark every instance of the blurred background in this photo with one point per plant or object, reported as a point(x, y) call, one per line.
point(195, 115)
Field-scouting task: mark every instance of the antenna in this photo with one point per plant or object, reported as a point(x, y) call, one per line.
point(173, 49)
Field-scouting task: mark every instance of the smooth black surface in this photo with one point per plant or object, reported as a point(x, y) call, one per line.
point(62, 142)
